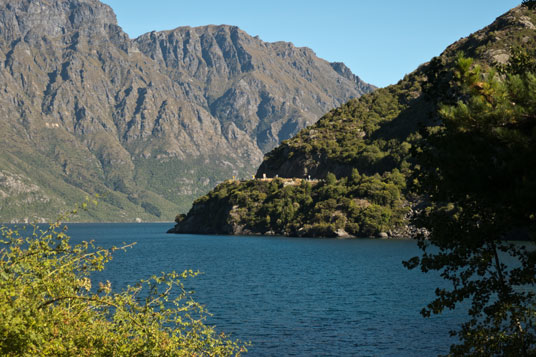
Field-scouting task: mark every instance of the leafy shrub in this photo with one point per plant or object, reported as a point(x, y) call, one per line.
point(49, 305)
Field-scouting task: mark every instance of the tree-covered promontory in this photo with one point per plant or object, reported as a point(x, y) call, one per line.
point(357, 205)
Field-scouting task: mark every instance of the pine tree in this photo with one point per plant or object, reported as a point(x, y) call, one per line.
point(531, 4)
point(477, 173)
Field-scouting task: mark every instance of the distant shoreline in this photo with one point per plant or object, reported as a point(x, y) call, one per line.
point(70, 222)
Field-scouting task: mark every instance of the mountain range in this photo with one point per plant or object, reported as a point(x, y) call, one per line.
point(147, 123)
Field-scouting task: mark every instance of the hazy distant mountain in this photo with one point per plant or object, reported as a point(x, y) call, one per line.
point(152, 122)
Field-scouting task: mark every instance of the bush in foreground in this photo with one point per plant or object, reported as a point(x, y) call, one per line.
point(49, 306)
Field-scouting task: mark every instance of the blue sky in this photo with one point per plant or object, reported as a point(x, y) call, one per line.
point(379, 40)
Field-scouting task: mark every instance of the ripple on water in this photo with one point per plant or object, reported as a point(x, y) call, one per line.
point(293, 297)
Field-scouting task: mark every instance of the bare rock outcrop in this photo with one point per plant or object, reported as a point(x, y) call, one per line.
point(153, 122)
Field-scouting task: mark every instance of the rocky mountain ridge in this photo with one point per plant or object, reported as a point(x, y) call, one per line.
point(150, 122)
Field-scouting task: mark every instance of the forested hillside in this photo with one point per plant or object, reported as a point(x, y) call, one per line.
point(368, 144)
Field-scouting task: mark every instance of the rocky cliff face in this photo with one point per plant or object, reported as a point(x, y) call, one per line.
point(266, 91)
point(151, 122)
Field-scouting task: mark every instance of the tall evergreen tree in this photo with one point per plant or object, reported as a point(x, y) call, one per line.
point(477, 173)
point(531, 4)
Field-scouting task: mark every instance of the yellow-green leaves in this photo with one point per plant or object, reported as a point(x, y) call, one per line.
point(49, 304)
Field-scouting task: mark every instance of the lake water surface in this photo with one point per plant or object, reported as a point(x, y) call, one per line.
point(292, 296)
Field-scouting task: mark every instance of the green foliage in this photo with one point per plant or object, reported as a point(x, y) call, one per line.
point(366, 146)
point(521, 61)
point(477, 175)
point(360, 134)
point(360, 205)
point(49, 304)
point(152, 209)
point(531, 4)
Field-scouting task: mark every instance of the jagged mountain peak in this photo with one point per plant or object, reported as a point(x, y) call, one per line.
point(154, 121)
point(53, 18)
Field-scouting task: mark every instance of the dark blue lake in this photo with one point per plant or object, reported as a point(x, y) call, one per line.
point(292, 296)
